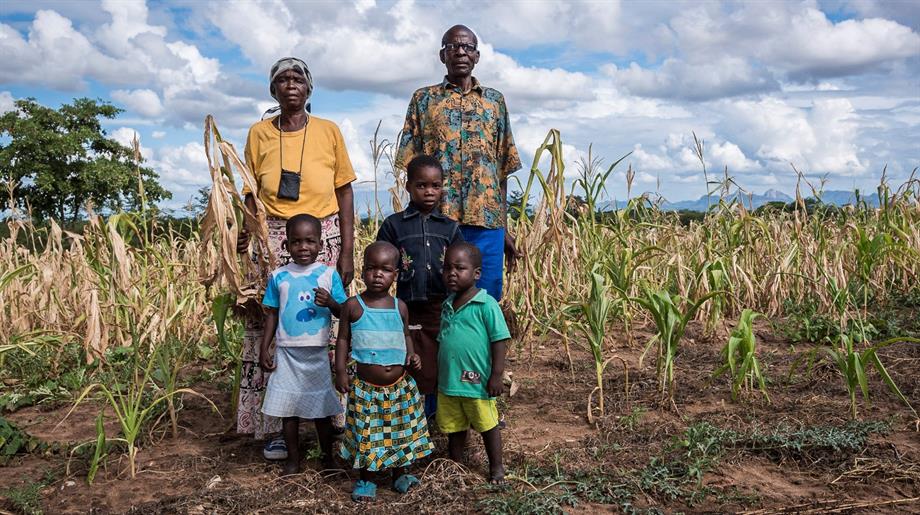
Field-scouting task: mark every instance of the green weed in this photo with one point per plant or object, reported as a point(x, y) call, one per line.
point(830, 443)
point(27, 499)
point(678, 472)
point(550, 490)
point(15, 441)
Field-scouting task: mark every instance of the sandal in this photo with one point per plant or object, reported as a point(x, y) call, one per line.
point(364, 491)
point(404, 482)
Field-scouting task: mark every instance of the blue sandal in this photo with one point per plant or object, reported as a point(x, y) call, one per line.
point(364, 491)
point(404, 482)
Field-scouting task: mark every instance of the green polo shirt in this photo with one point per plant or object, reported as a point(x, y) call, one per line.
point(466, 337)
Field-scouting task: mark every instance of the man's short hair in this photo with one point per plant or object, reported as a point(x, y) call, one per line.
point(419, 162)
point(379, 246)
point(459, 27)
point(470, 250)
point(303, 218)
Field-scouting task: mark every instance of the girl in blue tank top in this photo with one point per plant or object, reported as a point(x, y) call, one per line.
point(385, 425)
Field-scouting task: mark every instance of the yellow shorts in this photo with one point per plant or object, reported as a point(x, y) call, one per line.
point(457, 414)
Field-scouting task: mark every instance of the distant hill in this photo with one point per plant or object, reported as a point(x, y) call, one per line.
point(842, 198)
point(831, 197)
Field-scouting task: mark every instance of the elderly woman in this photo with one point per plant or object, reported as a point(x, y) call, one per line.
point(301, 166)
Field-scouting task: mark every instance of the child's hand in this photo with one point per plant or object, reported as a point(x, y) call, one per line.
point(341, 381)
point(322, 297)
point(495, 386)
point(414, 362)
point(266, 361)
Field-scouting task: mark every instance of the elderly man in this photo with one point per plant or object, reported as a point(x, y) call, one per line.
point(466, 127)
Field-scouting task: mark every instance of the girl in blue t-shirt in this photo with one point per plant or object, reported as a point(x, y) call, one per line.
point(300, 298)
point(385, 426)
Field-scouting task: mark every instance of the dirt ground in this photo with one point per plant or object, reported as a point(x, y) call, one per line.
point(556, 460)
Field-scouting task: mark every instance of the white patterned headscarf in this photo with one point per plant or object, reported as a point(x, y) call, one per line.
point(281, 66)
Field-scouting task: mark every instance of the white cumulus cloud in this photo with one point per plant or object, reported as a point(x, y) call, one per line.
point(144, 102)
point(821, 139)
point(813, 46)
point(7, 102)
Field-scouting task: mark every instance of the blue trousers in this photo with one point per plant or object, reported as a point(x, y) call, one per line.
point(491, 243)
point(431, 405)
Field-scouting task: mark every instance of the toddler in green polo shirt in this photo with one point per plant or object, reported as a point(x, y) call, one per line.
point(471, 360)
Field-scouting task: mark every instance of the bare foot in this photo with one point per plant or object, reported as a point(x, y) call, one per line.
point(328, 463)
point(290, 468)
point(497, 475)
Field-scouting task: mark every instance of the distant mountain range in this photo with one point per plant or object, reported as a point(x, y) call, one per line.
point(832, 197)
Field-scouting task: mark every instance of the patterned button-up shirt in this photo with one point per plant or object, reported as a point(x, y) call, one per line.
point(470, 134)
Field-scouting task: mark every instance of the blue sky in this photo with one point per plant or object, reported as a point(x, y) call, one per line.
point(831, 87)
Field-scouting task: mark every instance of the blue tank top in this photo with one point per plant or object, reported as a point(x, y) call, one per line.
point(378, 337)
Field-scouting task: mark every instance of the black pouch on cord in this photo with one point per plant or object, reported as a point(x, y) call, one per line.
point(289, 185)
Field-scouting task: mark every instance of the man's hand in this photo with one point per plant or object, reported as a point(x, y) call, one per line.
point(414, 362)
point(242, 241)
point(341, 381)
point(346, 267)
point(511, 252)
point(495, 387)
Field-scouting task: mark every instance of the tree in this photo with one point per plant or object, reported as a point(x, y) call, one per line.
point(199, 204)
point(515, 205)
point(58, 160)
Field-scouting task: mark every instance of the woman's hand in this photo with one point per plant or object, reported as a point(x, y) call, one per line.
point(242, 241)
point(341, 381)
point(346, 267)
point(345, 198)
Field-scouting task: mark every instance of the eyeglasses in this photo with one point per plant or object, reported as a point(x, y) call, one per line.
point(453, 47)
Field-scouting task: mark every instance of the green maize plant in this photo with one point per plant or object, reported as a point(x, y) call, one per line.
point(869, 253)
point(840, 301)
point(671, 322)
point(621, 264)
point(593, 181)
point(852, 365)
point(714, 275)
point(596, 312)
point(133, 404)
point(171, 357)
point(740, 357)
point(99, 453)
point(220, 308)
point(100, 449)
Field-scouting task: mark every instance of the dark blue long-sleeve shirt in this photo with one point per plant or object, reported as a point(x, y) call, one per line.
point(422, 241)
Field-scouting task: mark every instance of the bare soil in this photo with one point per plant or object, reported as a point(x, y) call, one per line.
point(209, 469)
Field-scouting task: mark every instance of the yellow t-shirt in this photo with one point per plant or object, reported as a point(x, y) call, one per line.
point(326, 166)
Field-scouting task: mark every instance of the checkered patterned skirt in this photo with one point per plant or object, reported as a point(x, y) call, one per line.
point(385, 426)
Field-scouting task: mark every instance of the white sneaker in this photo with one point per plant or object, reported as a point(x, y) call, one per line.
point(275, 449)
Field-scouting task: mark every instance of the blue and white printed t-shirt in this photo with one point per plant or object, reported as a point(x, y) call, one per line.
point(301, 323)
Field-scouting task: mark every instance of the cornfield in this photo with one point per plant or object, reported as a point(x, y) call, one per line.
point(116, 285)
point(126, 282)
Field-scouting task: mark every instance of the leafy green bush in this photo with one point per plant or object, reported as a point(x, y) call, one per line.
point(14, 441)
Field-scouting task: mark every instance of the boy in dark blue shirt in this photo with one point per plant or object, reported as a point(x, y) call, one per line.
point(422, 235)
